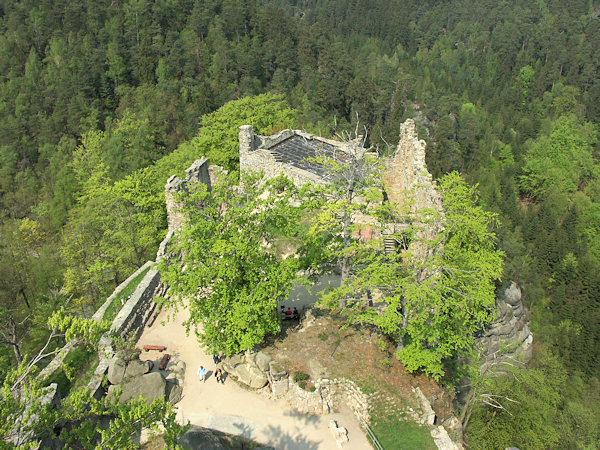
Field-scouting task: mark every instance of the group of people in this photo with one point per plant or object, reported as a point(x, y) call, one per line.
point(287, 313)
point(219, 374)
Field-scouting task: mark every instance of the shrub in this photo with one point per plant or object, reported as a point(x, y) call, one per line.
point(300, 376)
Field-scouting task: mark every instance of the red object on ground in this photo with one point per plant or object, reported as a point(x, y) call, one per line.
point(160, 348)
point(163, 362)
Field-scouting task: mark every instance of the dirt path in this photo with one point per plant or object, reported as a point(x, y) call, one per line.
point(232, 409)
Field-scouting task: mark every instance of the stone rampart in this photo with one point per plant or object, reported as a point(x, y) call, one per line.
point(98, 316)
point(131, 319)
point(410, 187)
point(197, 172)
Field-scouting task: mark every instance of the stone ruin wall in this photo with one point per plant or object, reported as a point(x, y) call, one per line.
point(131, 319)
point(409, 185)
point(197, 172)
point(255, 155)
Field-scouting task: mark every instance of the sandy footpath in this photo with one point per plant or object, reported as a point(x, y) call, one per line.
point(232, 409)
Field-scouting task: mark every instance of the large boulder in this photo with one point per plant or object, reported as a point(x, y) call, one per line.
point(512, 295)
point(137, 368)
point(198, 437)
point(251, 376)
point(150, 386)
point(262, 361)
point(116, 370)
point(229, 363)
point(174, 391)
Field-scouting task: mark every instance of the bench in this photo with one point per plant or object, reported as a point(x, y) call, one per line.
point(160, 348)
point(163, 362)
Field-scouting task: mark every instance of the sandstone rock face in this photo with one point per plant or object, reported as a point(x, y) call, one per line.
point(137, 368)
point(174, 391)
point(251, 376)
point(510, 335)
point(116, 370)
point(231, 362)
point(150, 386)
point(262, 361)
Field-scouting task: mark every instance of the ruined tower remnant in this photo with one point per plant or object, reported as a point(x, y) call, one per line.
point(197, 172)
point(410, 186)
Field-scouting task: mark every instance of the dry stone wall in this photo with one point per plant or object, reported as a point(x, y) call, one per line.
point(131, 319)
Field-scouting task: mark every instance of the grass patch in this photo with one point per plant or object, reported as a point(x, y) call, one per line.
point(75, 371)
point(115, 306)
point(403, 434)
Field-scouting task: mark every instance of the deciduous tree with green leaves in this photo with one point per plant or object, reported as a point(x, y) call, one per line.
point(433, 307)
point(80, 421)
point(227, 275)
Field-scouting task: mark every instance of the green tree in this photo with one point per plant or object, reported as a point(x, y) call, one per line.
point(26, 419)
point(434, 305)
point(229, 278)
point(218, 137)
point(561, 159)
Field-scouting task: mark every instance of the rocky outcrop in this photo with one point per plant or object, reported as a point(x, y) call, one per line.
point(251, 369)
point(509, 336)
point(149, 386)
point(135, 378)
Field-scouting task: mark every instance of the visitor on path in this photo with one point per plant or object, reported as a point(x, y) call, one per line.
point(216, 359)
point(288, 313)
point(202, 374)
point(295, 314)
point(219, 375)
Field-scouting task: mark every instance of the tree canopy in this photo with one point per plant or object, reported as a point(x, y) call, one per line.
point(228, 278)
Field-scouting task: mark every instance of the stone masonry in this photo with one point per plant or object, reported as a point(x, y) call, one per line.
point(410, 186)
point(197, 172)
point(263, 153)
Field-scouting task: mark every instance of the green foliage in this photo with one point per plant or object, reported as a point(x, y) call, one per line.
point(231, 280)
point(218, 137)
point(434, 305)
point(561, 160)
point(300, 376)
point(402, 434)
point(84, 330)
point(537, 412)
point(25, 419)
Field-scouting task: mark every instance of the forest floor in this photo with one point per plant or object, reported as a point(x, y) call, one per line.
point(322, 350)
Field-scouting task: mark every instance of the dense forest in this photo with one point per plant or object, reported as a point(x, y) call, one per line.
point(100, 101)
